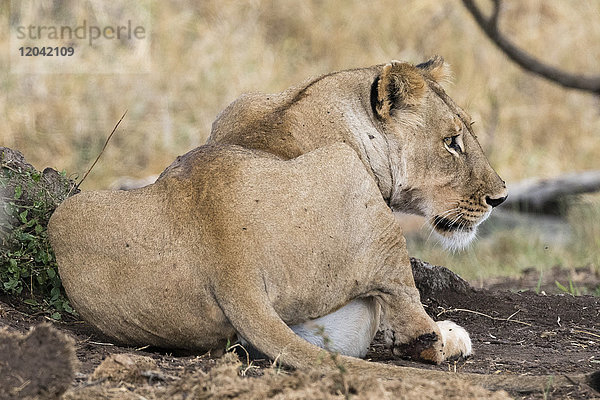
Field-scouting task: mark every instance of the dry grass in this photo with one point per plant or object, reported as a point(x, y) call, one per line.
point(223, 381)
point(205, 54)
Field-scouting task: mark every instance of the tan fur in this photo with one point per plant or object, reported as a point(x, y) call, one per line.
point(396, 117)
point(232, 240)
point(284, 217)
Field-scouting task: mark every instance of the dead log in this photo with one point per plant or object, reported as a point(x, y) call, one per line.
point(550, 196)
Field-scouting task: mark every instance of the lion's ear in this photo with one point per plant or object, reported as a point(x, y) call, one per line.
point(437, 69)
point(400, 86)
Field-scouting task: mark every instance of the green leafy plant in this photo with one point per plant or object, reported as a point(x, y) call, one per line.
point(28, 268)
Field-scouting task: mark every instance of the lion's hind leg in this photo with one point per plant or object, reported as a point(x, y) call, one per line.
point(348, 330)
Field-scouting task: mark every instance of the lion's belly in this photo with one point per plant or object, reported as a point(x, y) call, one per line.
point(313, 287)
point(348, 331)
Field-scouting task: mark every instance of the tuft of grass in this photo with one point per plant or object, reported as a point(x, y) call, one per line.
point(538, 286)
point(584, 218)
point(340, 379)
point(28, 268)
point(244, 369)
point(572, 289)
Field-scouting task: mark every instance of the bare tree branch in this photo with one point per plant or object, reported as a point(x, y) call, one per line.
point(495, 13)
point(589, 83)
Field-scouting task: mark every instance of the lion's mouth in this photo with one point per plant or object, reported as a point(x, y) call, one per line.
point(454, 234)
point(446, 225)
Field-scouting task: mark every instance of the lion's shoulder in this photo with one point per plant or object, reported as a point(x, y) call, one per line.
point(299, 119)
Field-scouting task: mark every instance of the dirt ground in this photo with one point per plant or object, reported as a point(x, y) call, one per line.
point(513, 333)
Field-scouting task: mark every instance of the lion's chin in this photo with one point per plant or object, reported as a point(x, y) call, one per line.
point(456, 234)
point(457, 239)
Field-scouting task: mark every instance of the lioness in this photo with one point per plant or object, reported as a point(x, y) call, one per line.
point(413, 140)
point(285, 220)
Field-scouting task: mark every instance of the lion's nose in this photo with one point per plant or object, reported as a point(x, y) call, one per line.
point(495, 202)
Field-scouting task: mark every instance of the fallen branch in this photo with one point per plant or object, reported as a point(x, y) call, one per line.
point(548, 196)
point(444, 311)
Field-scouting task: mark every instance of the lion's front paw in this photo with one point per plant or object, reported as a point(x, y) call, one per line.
point(426, 347)
point(455, 340)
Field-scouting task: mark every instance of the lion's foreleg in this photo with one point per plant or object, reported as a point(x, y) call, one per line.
point(411, 332)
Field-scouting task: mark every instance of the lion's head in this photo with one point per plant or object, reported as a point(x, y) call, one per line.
point(438, 168)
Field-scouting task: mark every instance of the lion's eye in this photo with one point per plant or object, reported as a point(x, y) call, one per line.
point(453, 144)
